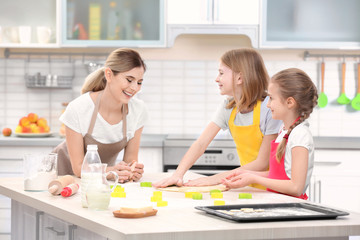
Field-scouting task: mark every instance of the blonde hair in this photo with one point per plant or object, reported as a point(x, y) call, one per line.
point(120, 60)
point(250, 65)
point(297, 84)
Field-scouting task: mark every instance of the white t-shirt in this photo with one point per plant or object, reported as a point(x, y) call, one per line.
point(77, 116)
point(268, 125)
point(300, 136)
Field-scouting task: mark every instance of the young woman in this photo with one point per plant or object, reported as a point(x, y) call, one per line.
point(243, 77)
point(292, 99)
point(108, 115)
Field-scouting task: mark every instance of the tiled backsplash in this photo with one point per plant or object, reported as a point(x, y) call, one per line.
point(181, 95)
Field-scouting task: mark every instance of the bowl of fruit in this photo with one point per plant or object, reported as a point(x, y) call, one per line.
point(32, 126)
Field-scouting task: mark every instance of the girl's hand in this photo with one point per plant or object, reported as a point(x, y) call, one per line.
point(239, 181)
point(235, 173)
point(173, 180)
point(204, 181)
point(137, 171)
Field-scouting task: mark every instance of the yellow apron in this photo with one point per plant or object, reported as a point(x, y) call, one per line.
point(248, 139)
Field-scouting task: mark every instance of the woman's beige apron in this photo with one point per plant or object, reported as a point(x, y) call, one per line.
point(108, 152)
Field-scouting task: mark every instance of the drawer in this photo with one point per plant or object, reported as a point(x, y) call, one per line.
point(11, 166)
point(17, 152)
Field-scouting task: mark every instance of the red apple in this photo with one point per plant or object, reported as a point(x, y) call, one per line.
point(6, 132)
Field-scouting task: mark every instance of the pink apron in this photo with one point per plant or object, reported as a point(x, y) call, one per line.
point(277, 170)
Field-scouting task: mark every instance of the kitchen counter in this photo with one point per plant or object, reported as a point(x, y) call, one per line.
point(147, 140)
point(179, 220)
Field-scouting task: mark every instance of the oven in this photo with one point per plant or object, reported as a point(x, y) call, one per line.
point(219, 156)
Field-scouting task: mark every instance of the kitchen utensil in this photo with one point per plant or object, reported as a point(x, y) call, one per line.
point(272, 212)
point(98, 193)
point(93, 66)
point(355, 103)
point(25, 34)
point(323, 100)
point(343, 99)
point(43, 34)
point(39, 171)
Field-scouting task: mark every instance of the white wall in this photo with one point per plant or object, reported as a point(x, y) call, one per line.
point(179, 86)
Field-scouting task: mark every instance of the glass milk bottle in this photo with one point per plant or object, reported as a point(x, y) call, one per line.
point(90, 172)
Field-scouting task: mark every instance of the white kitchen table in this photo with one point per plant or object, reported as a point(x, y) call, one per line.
point(179, 220)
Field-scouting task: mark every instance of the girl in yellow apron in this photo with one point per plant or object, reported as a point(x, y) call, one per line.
point(106, 114)
point(244, 79)
point(292, 98)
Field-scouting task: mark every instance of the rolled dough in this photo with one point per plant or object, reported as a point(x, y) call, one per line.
point(221, 187)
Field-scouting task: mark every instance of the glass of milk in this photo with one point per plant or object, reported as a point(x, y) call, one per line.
point(39, 171)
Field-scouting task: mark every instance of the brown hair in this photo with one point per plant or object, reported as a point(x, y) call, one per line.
point(120, 60)
point(255, 78)
point(297, 84)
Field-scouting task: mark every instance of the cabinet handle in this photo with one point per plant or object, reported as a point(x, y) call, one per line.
point(56, 232)
point(71, 231)
point(210, 10)
point(327, 163)
point(319, 191)
point(37, 223)
point(216, 11)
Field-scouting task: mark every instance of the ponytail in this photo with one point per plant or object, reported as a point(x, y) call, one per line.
point(280, 151)
point(94, 82)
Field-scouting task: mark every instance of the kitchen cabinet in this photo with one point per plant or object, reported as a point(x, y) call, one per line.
point(310, 24)
point(213, 12)
point(179, 220)
point(33, 25)
point(336, 183)
point(213, 17)
point(11, 165)
point(35, 224)
point(88, 23)
point(126, 23)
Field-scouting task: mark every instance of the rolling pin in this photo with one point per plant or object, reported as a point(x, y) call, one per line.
point(56, 186)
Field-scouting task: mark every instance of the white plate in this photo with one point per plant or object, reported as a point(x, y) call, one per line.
point(33, 135)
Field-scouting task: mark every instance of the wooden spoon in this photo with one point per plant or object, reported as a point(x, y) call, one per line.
point(323, 100)
point(343, 99)
point(355, 103)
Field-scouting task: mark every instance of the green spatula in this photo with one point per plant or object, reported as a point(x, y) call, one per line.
point(323, 100)
point(355, 103)
point(343, 99)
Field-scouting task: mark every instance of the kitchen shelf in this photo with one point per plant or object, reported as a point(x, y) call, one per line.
point(39, 81)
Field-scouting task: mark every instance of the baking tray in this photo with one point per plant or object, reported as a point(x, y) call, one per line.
point(272, 212)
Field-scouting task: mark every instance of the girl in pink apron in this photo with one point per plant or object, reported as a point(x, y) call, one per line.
point(106, 114)
point(292, 98)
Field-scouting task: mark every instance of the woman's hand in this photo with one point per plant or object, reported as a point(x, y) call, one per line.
point(122, 170)
point(173, 180)
point(238, 181)
point(137, 170)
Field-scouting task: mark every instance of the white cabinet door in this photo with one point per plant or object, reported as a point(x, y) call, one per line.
point(341, 192)
point(83, 234)
point(213, 12)
point(24, 222)
point(151, 157)
point(236, 12)
point(52, 228)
